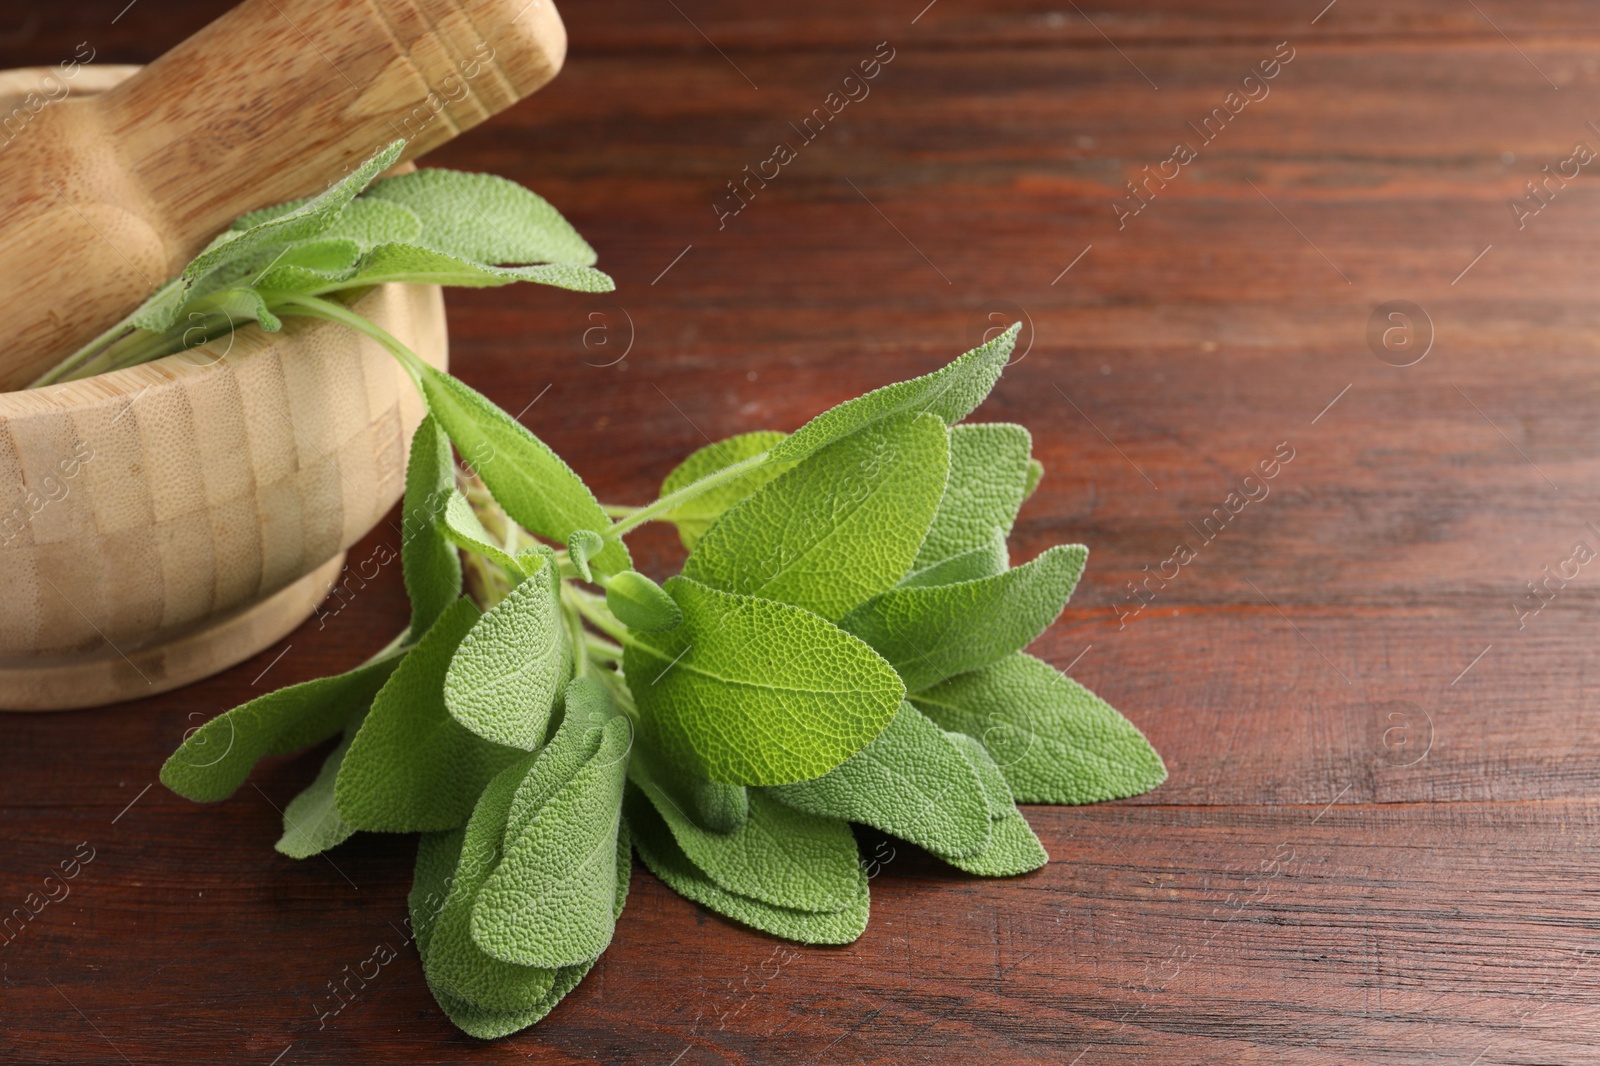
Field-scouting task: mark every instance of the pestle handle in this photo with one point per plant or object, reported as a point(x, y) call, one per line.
point(274, 100)
point(278, 98)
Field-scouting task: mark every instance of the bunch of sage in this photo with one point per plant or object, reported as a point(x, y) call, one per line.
point(844, 642)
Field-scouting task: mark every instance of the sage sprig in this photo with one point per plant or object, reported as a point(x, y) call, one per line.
point(844, 644)
point(430, 226)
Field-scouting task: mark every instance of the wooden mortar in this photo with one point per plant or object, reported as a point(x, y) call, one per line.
point(161, 523)
point(108, 196)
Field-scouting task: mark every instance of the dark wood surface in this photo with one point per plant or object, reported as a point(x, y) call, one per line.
point(1379, 842)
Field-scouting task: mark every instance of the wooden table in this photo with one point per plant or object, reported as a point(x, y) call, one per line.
point(1378, 843)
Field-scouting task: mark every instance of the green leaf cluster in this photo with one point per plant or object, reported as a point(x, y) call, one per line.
point(438, 227)
point(845, 644)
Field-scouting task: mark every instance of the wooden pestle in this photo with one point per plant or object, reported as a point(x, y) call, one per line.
point(110, 195)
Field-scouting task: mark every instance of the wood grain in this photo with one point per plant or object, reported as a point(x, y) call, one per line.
point(1319, 881)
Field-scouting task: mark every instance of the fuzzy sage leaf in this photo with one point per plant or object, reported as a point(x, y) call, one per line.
point(582, 545)
point(215, 759)
point(306, 219)
point(431, 566)
point(934, 632)
point(988, 479)
point(694, 517)
point(640, 603)
point(311, 822)
point(484, 217)
point(429, 266)
point(778, 855)
point(453, 961)
point(986, 560)
point(1012, 848)
point(750, 691)
point(667, 861)
point(436, 859)
point(586, 710)
point(502, 681)
point(412, 767)
point(1054, 740)
point(536, 488)
point(842, 526)
point(549, 902)
point(952, 393)
point(912, 781)
point(436, 227)
point(460, 524)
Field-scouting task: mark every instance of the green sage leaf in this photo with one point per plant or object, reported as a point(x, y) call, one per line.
point(661, 853)
point(432, 879)
point(436, 860)
point(488, 1024)
point(537, 489)
point(311, 822)
point(987, 560)
point(1012, 848)
point(310, 266)
point(693, 517)
point(431, 566)
point(549, 902)
point(911, 780)
point(586, 708)
point(988, 474)
point(839, 528)
point(503, 680)
point(412, 767)
point(583, 545)
point(460, 523)
point(640, 603)
point(369, 221)
point(305, 219)
point(483, 995)
point(931, 633)
point(1055, 741)
point(239, 307)
point(1035, 475)
point(720, 808)
point(779, 855)
point(713, 805)
point(750, 691)
point(417, 264)
point(454, 962)
point(484, 217)
point(952, 393)
point(997, 796)
point(214, 760)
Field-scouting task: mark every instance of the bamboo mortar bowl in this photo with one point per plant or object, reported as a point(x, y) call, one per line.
point(161, 523)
